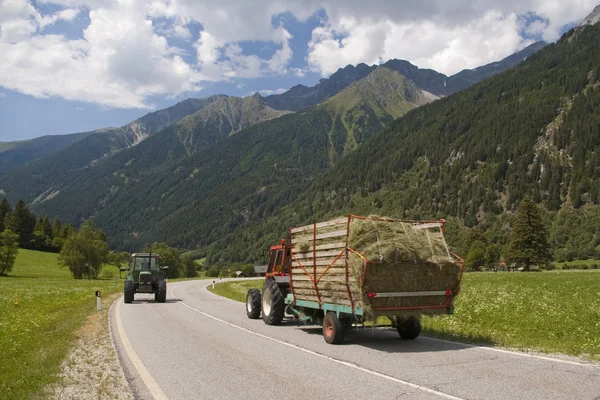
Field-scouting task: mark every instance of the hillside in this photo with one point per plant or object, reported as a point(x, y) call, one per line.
point(80, 149)
point(533, 130)
point(147, 192)
point(216, 117)
point(18, 153)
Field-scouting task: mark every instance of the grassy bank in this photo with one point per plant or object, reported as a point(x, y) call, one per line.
point(38, 331)
point(549, 312)
point(236, 290)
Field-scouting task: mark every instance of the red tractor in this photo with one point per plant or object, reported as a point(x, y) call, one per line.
point(275, 289)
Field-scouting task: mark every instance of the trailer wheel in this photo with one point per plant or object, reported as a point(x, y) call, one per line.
point(253, 303)
point(273, 306)
point(128, 291)
point(333, 330)
point(408, 328)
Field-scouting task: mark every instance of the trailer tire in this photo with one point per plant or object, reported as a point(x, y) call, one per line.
point(128, 291)
point(253, 303)
point(272, 303)
point(333, 329)
point(408, 328)
point(161, 294)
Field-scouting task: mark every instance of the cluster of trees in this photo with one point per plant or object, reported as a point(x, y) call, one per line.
point(21, 228)
point(527, 243)
point(35, 233)
point(85, 252)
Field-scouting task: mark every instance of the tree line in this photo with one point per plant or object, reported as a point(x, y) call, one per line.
point(34, 232)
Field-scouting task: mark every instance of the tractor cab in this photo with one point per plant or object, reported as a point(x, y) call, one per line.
point(144, 268)
point(280, 263)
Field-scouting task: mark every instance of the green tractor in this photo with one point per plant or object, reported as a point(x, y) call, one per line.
point(144, 275)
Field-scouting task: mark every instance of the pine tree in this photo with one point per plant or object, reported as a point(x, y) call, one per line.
point(22, 222)
point(4, 211)
point(529, 236)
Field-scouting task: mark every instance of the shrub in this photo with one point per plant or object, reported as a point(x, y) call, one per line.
point(107, 274)
point(549, 266)
point(594, 266)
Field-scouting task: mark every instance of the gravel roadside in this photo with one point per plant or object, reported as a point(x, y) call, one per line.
point(92, 369)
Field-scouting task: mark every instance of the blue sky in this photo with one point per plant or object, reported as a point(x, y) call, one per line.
point(77, 65)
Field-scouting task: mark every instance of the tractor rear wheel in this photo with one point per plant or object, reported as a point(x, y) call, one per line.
point(161, 295)
point(408, 328)
point(253, 303)
point(128, 292)
point(273, 306)
point(333, 329)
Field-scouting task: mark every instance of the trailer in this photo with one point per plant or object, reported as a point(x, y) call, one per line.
point(357, 270)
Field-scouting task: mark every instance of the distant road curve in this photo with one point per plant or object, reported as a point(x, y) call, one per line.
point(199, 345)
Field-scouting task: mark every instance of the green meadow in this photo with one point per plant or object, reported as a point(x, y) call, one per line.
point(41, 307)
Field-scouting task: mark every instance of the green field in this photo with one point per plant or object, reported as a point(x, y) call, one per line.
point(549, 312)
point(37, 333)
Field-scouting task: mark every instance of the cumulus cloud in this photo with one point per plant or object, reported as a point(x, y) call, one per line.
point(125, 54)
point(119, 62)
point(447, 36)
point(268, 92)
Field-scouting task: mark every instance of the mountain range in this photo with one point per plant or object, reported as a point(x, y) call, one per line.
point(230, 175)
point(107, 141)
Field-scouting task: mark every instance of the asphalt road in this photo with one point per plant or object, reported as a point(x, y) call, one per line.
point(201, 346)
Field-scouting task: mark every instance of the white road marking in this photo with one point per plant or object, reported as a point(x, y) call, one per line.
point(149, 381)
point(345, 363)
point(489, 348)
point(516, 353)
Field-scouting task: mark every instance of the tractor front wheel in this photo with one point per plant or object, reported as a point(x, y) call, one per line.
point(161, 294)
point(333, 329)
point(273, 306)
point(253, 303)
point(128, 292)
point(408, 328)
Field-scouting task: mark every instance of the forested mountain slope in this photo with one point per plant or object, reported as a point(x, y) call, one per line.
point(200, 122)
point(174, 185)
point(18, 153)
point(533, 130)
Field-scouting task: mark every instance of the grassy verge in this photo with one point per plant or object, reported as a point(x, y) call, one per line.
point(549, 312)
point(236, 290)
point(38, 331)
point(579, 264)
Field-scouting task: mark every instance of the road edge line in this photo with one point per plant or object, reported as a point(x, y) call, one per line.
point(516, 353)
point(148, 380)
point(114, 345)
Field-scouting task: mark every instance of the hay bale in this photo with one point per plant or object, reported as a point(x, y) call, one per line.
point(400, 258)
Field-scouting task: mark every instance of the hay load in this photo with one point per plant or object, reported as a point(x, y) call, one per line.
point(382, 266)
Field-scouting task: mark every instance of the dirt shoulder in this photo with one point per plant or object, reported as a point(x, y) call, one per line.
point(92, 369)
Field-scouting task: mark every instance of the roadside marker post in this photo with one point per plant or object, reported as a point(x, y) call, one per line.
point(213, 284)
point(16, 297)
point(98, 302)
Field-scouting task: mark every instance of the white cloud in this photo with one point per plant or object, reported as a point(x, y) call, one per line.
point(268, 92)
point(124, 55)
point(119, 62)
point(447, 36)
